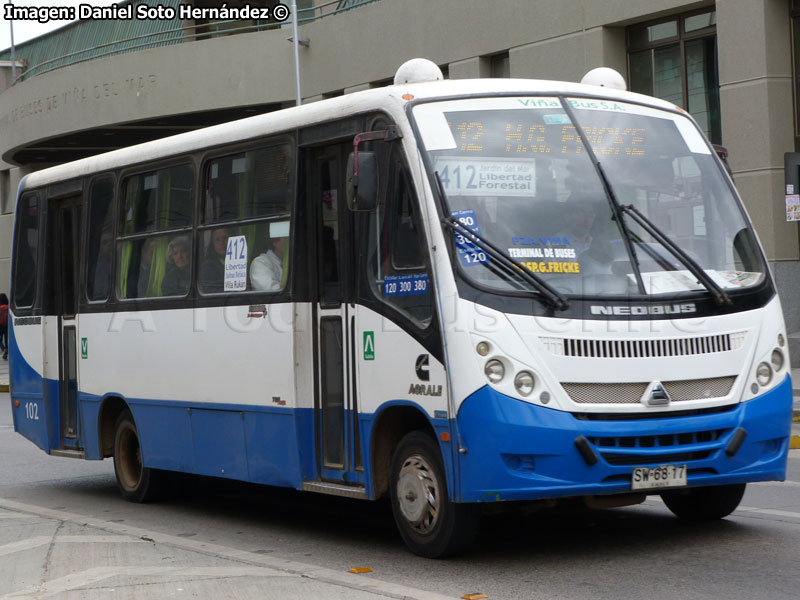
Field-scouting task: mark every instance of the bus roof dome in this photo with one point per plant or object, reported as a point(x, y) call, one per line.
point(605, 77)
point(418, 70)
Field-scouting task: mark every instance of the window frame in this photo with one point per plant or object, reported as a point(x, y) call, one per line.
point(123, 175)
point(280, 139)
point(35, 305)
point(680, 40)
point(110, 296)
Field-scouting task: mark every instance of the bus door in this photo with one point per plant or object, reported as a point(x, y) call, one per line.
point(64, 217)
point(336, 403)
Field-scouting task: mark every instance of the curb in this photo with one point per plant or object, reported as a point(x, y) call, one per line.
point(3, 387)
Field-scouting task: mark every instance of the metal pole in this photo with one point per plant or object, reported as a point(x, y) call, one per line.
point(13, 54)
point(296, 43)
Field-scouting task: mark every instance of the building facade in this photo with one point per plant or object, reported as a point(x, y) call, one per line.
point(96, 86)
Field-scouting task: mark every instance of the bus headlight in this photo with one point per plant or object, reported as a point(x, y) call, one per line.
point(763, 374)
point(524, 382)
point(777, 360)
point(495, 371)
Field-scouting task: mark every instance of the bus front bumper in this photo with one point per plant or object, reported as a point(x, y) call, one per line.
point(519, 451)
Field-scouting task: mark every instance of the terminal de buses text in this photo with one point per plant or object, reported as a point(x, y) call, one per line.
point(87, 12)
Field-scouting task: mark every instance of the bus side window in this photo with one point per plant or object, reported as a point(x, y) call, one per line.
point(402, 274)
point(26, 252)
point(257, 187)
point(101, 241)
point(154, 201)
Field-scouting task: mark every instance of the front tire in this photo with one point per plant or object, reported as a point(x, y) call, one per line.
point(136, 482)
point(704, 503)
point(429, 523)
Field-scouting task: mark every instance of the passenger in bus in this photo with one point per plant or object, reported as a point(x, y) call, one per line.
point(266, 271)
point(177, 276)
point(212, 269)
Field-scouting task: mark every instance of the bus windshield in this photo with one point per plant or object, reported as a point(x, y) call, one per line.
point(516, 172)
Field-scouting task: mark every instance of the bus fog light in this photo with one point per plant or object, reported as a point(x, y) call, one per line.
point(483, 348)
point(763, 374)
point(781, 340)
point(524, 382)
point(777, 360)
point(495, 371)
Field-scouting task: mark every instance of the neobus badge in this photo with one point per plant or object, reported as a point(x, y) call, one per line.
point(651, 309)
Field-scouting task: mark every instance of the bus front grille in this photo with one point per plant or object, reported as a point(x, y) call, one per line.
point(644, 348)
point(659, 449)
point(631, 393)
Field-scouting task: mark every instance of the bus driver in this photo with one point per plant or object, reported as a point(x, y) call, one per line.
point(267, 269)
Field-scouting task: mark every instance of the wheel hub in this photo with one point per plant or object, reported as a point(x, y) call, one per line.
point(418, 493)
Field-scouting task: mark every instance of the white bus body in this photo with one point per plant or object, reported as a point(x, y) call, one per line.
point(501, 317)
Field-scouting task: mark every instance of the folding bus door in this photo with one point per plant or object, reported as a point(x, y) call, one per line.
point(336, 407)
point(61, 333)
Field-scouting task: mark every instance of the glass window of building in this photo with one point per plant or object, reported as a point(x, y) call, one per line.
point(796, 69)
point(675, 59)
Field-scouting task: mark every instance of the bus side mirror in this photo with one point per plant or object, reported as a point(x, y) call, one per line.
point(362, 181)
point(362, 170)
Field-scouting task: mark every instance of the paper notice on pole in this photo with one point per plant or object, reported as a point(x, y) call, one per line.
point(793, 207)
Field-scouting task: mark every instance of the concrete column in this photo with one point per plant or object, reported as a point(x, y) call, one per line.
point(755, 72)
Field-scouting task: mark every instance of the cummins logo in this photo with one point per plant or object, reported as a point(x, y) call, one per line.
point(655, 395)
point(649, 309)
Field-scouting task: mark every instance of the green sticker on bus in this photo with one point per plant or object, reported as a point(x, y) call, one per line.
point(369, 345)
point(84, 347)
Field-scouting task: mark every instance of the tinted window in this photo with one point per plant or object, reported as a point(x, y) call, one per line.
point(26, 255)
point(101, 240)
point(158, 200)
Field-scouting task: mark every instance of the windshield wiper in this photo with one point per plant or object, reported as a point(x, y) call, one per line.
point(720, 296)
point(509, 265)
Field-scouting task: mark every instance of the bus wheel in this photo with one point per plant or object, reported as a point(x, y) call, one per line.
point(136, 482)
point(430, 525)
point(704, 503)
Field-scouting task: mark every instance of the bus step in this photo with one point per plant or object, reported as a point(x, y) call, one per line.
point(335, 489)
point(67, 453)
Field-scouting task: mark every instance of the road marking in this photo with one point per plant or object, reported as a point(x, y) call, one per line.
point(23, 545)
point(768, 511)
point(653, 500)
point(41, 540)
point(95, 575)
point(778, 483)
point(282, 566)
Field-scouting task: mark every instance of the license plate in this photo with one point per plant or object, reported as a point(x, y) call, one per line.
point(658, 477)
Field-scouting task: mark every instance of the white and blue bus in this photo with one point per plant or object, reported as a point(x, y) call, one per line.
point(451, 293)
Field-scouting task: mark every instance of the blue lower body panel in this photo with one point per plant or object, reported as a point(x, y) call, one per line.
point(518, 451)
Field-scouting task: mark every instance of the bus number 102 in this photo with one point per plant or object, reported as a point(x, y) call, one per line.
point(32, 411)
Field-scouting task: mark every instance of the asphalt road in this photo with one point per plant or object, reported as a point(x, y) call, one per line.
point(635, 552)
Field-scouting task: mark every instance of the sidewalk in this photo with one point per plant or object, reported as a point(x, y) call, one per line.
point(50, 553)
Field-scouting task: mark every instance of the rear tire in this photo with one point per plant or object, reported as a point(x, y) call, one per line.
point(704, 503)
point(136, 482)
point(429, 523)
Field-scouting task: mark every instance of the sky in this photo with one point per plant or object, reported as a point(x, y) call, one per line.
point(25, 30)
